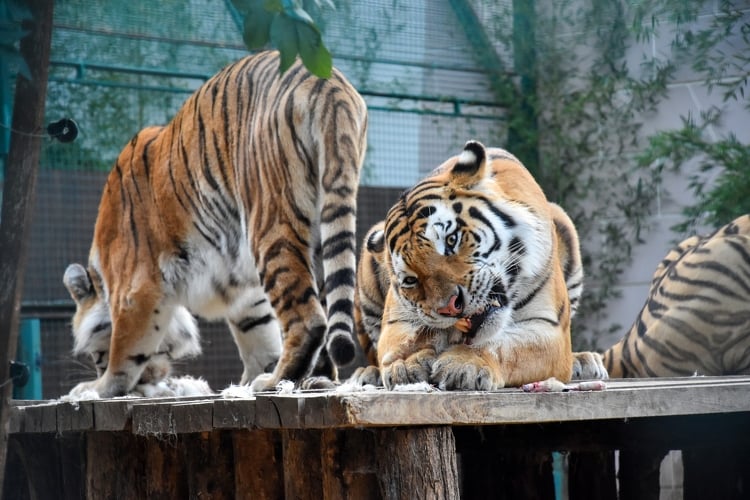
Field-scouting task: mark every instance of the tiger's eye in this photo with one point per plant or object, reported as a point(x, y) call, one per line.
point(409, 281)
point(452, 239)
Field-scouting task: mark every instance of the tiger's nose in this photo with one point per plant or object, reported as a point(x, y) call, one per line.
point(454, 307)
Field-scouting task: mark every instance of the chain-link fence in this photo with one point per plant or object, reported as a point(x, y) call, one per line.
point(119, 66)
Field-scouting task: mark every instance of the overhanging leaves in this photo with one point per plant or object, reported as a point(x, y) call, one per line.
point(285, 25)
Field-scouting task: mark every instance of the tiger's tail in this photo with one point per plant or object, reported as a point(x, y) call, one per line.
point(338, 235)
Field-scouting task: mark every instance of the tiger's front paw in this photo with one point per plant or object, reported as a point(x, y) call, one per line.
point(463, 371)
point(588, 365)
point(83, 391)
point(106, 386)
point(416, 368)
point(365, 375)
point(264, 382)
point(318, 383)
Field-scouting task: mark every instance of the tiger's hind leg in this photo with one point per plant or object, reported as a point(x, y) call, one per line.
point(285, 265)
point(256, 332)
point(139, 324)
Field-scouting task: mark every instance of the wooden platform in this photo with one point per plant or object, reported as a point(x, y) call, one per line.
point(376, 444)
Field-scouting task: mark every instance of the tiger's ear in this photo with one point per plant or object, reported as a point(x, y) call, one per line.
point(471, 164)
point(78, 283)
point(376, 241)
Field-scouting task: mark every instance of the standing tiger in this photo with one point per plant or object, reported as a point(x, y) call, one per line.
point(696, 319)
point(243, 208)
point(475, 275)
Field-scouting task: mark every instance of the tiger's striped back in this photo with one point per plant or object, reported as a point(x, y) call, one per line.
point(696, 319)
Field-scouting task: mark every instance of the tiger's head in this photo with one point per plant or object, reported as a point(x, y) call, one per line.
point(92, 327)
point(463, 242)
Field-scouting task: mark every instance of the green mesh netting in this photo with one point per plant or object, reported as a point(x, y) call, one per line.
point(119, 66)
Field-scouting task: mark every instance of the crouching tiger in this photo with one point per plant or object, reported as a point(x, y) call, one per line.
point(696, 319)
point(475, 276)
point(242, 208)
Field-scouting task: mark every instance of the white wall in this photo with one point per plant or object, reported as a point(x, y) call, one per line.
point(687, 94)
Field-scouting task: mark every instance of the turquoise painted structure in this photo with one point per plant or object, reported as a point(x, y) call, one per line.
point(29, 352)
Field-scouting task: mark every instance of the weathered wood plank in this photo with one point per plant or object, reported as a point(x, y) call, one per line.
point(280, 411)
point(112, 414)
point(640, 383)
point(195, 416)
point(475, 408)
point(623, 399)
point(152, 419)
point(39, 418)
point(75, 416)
point(234, 413)
point(171, 415)
point(16, 420)
point(37, 467)
point(72, 453)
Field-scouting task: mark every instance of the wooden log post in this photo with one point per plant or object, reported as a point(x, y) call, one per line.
point(18, 194)
point(417, 463)
point(348, 463)
point(166, 473)
point(114, 466)
point(209, 462)
point(302, 463)
point(258, 472)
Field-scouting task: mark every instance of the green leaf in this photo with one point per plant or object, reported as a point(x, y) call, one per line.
point(314, 54)
point(329, 3)
point(257, 26)
point(284, 38)
point(297, 13)
point(273, 6)
point(291, 30)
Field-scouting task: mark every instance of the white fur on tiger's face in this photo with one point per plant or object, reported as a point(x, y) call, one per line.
point(242, 208)
point(483, 277)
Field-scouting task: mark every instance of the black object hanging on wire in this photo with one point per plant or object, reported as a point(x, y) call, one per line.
point(65, 130)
